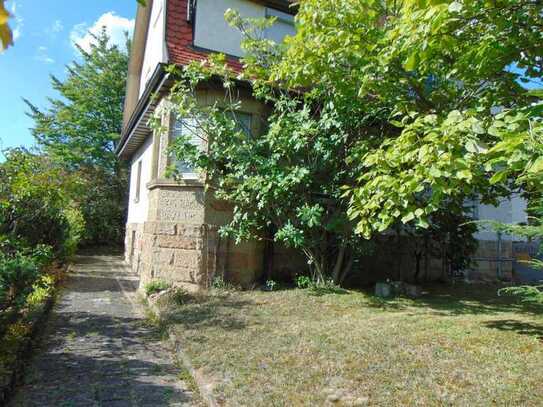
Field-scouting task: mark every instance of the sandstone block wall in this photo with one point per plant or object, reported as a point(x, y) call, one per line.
point(175, 252)
point(134, 245)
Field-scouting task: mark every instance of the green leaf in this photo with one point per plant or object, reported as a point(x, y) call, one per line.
point(455, 7)
point(498, 177)
point(537, 166)
point(408, 218)
point(435, 172)
point(411, 62)
point(464, 174)
point(422, 223)
point(471, 146)
point(478, 128)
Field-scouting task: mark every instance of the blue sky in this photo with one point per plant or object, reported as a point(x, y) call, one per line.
point(44, 35)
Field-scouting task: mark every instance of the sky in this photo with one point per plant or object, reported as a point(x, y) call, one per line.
point(45, 33)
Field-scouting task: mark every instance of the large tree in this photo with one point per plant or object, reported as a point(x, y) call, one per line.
point(79, 130)
point(284, 183)
point(438, 71)
point(422, 97)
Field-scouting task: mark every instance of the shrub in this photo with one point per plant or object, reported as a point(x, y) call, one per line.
point(526, 293)
point(219, 283)
point(19, 276)
point(41, 290)
point(303, 282)
point(325, 287)
point(20, 270)
point(74, 231)
point(36, 205)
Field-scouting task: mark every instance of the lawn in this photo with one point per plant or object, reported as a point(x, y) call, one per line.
point(454, 346)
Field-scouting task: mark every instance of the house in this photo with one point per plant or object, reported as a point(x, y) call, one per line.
point(172, 227)
point(501, 256)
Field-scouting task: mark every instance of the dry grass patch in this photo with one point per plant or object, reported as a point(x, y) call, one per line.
point(461, 346)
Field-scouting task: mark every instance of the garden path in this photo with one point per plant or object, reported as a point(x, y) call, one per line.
point(97, 349)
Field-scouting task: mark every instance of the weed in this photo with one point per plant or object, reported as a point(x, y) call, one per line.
point(303, 282)
point(271, 285)
point(219, 283)
point(155, 287)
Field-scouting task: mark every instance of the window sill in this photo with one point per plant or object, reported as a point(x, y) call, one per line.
point(169, 183)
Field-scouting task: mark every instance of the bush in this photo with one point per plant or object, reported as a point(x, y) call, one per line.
point(36, 205)
point(74, 231)
point(526, 293)
point(303, 282)
point(20, 272)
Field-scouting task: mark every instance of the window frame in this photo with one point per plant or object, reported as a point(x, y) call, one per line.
point(192, 176)
point(172, 161)
point(137, 195)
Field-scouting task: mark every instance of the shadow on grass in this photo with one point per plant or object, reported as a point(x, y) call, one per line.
point(459, 300)
point(217, 310)
point(520, 327)
point(320, 291)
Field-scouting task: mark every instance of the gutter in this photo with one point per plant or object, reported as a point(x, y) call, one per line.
point(155, 84)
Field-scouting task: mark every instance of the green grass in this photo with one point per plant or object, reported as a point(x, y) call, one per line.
point(456, 346)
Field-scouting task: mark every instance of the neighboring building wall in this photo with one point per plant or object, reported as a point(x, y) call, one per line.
point(155, 48)
point(495, 258)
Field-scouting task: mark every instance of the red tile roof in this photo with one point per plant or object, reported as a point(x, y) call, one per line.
point(179, 37)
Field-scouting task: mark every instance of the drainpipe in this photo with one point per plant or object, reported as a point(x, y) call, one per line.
point(499, 268)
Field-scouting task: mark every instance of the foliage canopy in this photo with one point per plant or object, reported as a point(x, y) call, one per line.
point(79, 129)
point(402, 109)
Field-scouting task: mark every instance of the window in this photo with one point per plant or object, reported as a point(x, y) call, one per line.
point(244, 122)
point(138, 183)
point(187, 128)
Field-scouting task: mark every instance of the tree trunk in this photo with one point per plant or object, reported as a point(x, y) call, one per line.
point(339, 264)
point(346, 270)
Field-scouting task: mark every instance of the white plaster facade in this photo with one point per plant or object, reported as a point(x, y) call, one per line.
point(509, 211)
point(155, 46)
point(496, 257)
point(213, 32)
point(138, 207)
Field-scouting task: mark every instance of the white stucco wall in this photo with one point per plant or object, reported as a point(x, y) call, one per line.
point(138, 211)
point(509, 211)
point(212, 31)
point(155, 48)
